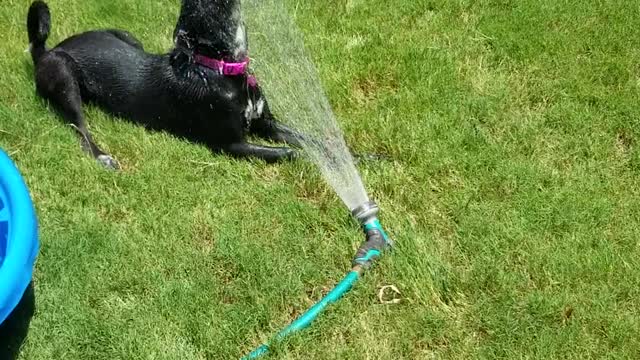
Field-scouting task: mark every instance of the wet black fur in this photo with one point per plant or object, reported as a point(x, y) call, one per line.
point(167, 92)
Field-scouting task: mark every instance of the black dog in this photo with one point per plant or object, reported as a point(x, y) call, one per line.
point(200, 91)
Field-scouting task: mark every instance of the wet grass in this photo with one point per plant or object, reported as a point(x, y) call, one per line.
point(512, 194)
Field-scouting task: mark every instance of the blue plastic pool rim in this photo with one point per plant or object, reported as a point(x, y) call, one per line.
point(22, 245)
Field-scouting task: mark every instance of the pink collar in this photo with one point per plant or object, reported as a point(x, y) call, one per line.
point(227, 69)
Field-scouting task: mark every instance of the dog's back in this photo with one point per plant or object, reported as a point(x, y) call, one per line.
point(118, 75)
point(110, 66)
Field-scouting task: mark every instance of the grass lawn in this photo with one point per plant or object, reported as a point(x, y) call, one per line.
point(512, 193)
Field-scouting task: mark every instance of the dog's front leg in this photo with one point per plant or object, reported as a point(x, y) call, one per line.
point(266, 153)
point(268, 128)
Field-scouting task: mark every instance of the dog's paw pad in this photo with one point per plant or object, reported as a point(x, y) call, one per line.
point(108, 162)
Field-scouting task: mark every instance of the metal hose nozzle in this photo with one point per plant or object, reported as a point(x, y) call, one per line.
point(366, 212)
point(376, 240)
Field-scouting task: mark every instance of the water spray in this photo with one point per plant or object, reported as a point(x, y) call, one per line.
point(376, 242)
point(291, 82)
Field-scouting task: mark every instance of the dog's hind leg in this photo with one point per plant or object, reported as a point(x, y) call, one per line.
point(56, 81)
point(126, 37)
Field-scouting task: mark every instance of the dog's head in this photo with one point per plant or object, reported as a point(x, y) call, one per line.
point(213, 28)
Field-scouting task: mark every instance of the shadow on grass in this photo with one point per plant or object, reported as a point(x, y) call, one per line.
point(13, 331)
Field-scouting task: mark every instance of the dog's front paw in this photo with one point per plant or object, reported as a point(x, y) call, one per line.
point(291, 154)
point(108, 162)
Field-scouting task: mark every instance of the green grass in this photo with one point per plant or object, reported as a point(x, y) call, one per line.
point(512, 194)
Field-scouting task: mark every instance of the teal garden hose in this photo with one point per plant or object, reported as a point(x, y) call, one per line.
point(371, 249)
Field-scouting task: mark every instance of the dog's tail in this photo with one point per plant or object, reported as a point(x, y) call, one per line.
point(38, 26)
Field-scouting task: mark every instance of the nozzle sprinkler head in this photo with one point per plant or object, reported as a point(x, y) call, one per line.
point(366, 212)
point(376, 239)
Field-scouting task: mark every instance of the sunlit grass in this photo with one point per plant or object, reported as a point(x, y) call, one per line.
point(512, 194)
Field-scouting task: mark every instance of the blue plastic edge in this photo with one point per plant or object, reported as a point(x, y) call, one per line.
point(22, 243)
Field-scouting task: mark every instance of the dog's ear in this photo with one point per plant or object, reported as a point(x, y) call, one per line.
point(184, 49)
